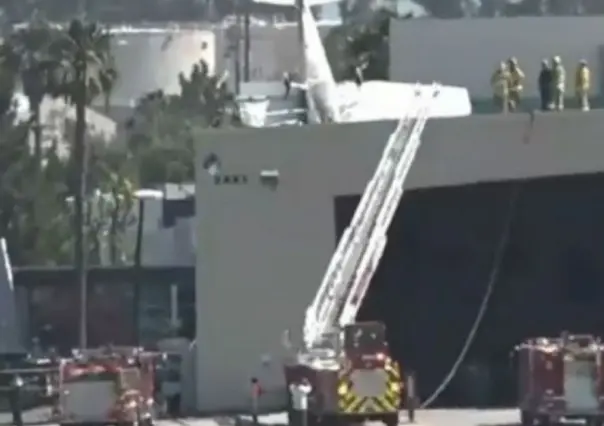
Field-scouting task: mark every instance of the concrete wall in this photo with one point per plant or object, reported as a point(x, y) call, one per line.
point(262, 250)
point(465, 52)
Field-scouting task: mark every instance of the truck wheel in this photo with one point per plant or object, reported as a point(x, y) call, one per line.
point(294, 418)
point(313, 420)
point(147, 421)
point(544, 421)
point(526, 418)
point(391, 420)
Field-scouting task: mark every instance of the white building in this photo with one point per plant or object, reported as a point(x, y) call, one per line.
point(168, 236)
point(150, 58)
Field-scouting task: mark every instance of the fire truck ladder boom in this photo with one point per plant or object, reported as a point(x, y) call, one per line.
point(362, 244)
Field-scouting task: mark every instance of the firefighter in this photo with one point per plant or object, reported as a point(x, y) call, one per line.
point(36, 348)
point(500, 81)
point(516, 83)
point(582, 85)
point(171, 393)
point(287, 84)
point(411, 396)
point(545, 85)
point(358, 75)
point(299, 395)
point(256, 392)
point(15, 400)
point(558, 83)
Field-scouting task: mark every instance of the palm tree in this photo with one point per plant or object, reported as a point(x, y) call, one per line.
point(86, 72)
point(27, 65)
point(26, 55)
point(364, 44)
point(205, 95)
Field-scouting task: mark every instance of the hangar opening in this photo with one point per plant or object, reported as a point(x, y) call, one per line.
point(439, 260)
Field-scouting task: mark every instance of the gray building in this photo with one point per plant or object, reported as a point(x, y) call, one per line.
point(263, 245)
point(465, 52)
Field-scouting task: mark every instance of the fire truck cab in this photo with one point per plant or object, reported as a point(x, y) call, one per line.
point(106, 386)
point(353, 380)
point(561, 378)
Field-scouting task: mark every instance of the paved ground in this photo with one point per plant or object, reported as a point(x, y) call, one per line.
point(424, 418)
point(466, 418)
point(35, 416)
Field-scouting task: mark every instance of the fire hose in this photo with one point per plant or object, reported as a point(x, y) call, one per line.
point(498, 257)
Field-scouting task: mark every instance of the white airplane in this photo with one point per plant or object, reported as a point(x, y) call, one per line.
point(329, 101)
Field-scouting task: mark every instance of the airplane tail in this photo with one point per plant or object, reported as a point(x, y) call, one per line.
point(296, 2)
point(315, 68)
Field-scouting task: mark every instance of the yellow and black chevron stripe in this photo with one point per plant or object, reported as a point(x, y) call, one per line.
point(389, 401)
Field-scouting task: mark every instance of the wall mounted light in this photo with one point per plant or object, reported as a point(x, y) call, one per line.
point(212, 164)
point(269, 177)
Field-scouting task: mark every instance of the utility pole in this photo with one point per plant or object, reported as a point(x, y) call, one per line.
point(80, 153)
point(237, 47)
point(82, 9)
point(138, 269)
point(246, 40)
point(301, 40)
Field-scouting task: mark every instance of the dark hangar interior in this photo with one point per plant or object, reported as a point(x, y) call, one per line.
point(439, 260)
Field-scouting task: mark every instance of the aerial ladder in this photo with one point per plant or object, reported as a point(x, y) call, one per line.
point(353, 378)
point(362, 244)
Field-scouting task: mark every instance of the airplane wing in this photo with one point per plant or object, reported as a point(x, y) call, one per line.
point(387, 100)
point(264, 104)
point(263, 114)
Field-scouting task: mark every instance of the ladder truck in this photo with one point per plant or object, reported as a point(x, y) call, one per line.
point(346, 364)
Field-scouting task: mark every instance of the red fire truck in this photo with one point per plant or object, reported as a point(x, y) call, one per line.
point(561, 378)
point(106, 386)
point(358, 382)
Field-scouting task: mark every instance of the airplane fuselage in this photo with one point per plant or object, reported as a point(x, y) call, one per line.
point(321, 91)
point(321, 99)
point(329, 102)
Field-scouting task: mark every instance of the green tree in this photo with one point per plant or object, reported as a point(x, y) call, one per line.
point(354, 10)
point(164, 128)
point(14, 158)
point(31, 241)
point(91, 188)
point(26, 55)
point(362, 44)
point(112, 173)
point(87, 71)
point(38, 215)
point(24, 184)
